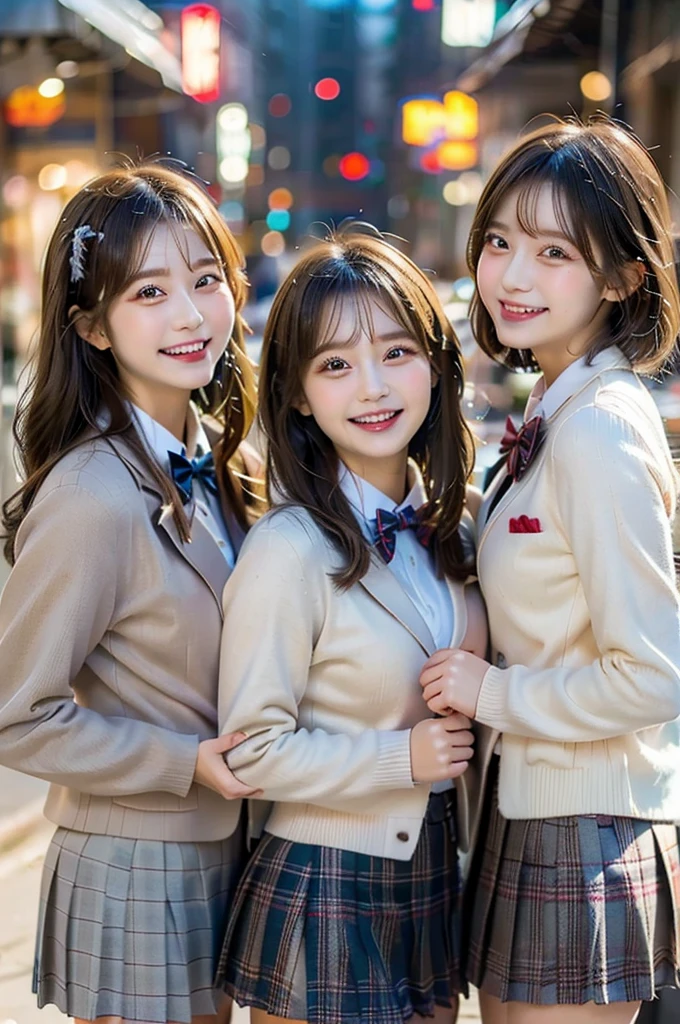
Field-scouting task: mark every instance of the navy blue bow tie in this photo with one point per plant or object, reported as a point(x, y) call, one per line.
point(387, 525)
point(184, 471)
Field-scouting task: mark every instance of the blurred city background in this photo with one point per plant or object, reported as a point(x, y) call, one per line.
point(299, 114)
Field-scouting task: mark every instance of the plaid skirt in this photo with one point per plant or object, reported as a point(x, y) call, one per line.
point(332, 937)
point(573, 910)
point(132, 928)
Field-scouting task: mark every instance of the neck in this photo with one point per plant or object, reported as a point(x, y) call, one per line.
point(551, 368)
point(169, 409)
point(389, 476)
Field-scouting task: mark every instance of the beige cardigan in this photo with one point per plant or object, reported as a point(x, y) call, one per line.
point(585, 614)
point(325, 685)
point(109, 647)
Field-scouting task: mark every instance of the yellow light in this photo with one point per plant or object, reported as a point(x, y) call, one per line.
point(52, 177)
point(596, 86)
point(457, 156)
point(465, 190)
point(273, 243)
point(233, 169)
point(51, 87)
point(422, 121)
point(462, 116)
point(232, 117)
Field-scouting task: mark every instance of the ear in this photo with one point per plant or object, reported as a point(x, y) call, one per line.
point(633, 275)
point(87, 329)
point(302, 406)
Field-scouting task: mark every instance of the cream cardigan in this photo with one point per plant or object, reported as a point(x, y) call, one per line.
point(324, 683)
point(585, 613)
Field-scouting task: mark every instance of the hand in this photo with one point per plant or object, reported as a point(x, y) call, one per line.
point(212, 771)
point(441, 748)
point(451, 681)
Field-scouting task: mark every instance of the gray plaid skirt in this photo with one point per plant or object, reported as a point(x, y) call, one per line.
point(329, 936)
point(573, 910)
point(132, 928)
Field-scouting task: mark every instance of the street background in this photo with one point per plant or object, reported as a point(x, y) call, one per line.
point(298, 114)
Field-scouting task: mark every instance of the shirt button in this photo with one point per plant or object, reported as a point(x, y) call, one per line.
point(403, 837)
point(221, 543)
point(412, 561)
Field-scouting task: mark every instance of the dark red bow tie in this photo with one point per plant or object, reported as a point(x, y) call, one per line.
point(521, 445)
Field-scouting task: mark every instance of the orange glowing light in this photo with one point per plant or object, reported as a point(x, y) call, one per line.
point(457, 156)
point(26, 108)
point(280, 199)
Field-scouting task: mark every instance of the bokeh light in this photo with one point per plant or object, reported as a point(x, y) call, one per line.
point(278, 220)
point(273, 243)
point(327, 89)
point(279, 105)
point(280, 199)
point(354, 166)
point(278, 158)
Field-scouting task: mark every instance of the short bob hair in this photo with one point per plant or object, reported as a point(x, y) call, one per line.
point(610, 201)
point(356, 264)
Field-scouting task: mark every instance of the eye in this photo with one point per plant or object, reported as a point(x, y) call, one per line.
point(149, 291)
point(207, 279)
point(494, 241)
point(334, 364)
point(399, 351)
point(554, 252)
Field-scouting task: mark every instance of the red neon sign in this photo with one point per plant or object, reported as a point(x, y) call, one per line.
point(200, 27)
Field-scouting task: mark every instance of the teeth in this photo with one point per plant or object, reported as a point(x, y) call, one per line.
point(378, 418)
point(521, 309)
point(183, 350)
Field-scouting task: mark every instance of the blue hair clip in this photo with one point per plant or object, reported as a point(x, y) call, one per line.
point(78, 250)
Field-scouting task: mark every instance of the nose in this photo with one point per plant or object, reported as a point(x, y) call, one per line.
point(517, 273)
point(373, 382)
point(188, 316)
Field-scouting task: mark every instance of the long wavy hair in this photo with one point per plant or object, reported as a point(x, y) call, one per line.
point(71, 383)
point(610, 201)
point(355, 265)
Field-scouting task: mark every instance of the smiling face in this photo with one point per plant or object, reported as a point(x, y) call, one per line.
point(368, 387)
point(538, 289)
point(172, 322)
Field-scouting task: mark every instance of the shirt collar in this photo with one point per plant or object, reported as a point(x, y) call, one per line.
point(366, 499)
point(545, 401)
point(159, 440)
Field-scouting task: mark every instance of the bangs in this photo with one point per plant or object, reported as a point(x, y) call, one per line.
point(132, 231)
point(334, 282)
point(565, 208)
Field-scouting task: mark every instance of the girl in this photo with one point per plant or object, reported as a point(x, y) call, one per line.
point(122, 538)
point(347, 911)
point(576, 905)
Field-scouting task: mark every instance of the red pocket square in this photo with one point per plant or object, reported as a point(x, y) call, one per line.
point(525, 525)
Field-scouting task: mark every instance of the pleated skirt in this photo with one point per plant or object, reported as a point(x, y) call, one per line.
point(574, 910)
point(133, 928)
point(332, 937)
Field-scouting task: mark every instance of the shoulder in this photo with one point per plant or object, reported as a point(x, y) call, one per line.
point(93, 475)
point(289, 534)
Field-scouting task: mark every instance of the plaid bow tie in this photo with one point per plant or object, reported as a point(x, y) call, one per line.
point(184, 471)
point(388, 524)
point(521, 445)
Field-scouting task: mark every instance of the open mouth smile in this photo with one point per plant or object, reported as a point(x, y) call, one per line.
point(512, 312)
point(376, 421)
point(188, 352)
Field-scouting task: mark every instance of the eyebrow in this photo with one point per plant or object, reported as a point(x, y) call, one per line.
point(205, 261)
point(351, 342)
point(540, 232)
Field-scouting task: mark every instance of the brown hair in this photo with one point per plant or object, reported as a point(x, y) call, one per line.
point(609, 198)
point(302, 463)
point(71, 382)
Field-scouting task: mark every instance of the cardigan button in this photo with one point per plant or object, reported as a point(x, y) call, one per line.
point(403, 837)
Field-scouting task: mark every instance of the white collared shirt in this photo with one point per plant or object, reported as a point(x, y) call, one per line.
point(160, 442)
point(412, 563)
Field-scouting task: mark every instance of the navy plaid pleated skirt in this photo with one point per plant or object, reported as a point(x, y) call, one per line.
point(334, 937)
point(573, 910)
point(132, 928)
